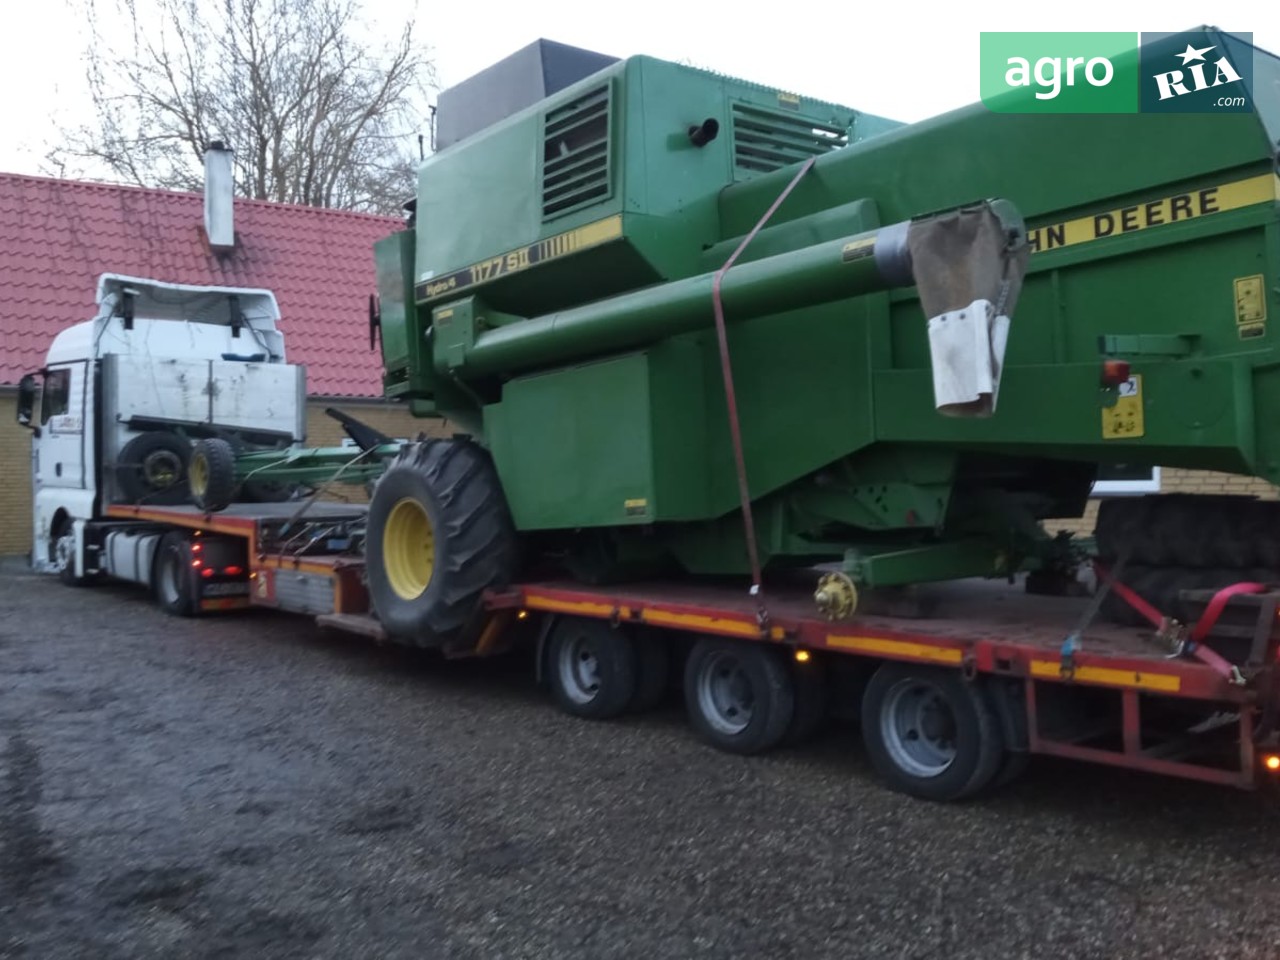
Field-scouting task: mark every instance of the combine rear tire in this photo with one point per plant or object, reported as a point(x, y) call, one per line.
point(212, 474)
point(439, 535)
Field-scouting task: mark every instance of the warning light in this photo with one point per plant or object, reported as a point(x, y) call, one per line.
point(233, 571)
point(523, 614)
point(802, 656)
point(1272, 762)
point(195, 563)
point(1114, 372)
point(207, 572)
point(196, 548)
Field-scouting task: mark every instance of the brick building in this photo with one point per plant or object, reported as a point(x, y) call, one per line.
point(58, 236)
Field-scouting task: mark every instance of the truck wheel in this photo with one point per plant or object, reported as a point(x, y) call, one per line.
point(439, 536)
point(172, 579)
point(152, 469)
point(929, 733)
point(739, 695)
point(592, 667)
point(212, 474)
point(64, 556)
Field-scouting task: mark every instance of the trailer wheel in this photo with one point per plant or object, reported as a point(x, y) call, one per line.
point(172, 579)
point(439, 536)
point(739, 695)
point(653, 670)
point(212, 474)
point(152, 469)
point(929, 733)
point(592, 668)
point(811, 695)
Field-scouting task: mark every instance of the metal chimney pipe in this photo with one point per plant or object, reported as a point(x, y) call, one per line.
point(219, 193)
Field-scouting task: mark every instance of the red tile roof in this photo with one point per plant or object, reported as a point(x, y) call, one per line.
point(58, 236)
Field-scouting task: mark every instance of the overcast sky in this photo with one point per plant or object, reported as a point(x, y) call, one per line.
point(907, 61)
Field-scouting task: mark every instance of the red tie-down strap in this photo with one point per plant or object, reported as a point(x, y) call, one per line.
point(1201, 630)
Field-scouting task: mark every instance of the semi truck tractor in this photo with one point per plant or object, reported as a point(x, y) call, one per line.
point(765, 400)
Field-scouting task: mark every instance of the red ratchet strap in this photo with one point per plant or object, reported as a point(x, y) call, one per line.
point(1154, 616)
point(1201, 630)
point(730, 397)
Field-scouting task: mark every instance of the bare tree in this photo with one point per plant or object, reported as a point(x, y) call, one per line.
point(316, 115)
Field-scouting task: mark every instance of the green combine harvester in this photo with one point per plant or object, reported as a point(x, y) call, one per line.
point(688, 326)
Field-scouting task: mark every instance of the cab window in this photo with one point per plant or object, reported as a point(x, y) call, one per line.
point(57, 394)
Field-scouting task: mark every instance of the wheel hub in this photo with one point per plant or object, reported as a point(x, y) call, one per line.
point(725, 694)
point(408, 549)
point(161, 469)
point(63, 551)
point(579, 670)
point(918, 728)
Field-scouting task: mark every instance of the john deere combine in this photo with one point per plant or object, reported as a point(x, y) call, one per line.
point(934, 337)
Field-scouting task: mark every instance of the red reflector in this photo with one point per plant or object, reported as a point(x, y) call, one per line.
point(1114, 372)
point(233, 571)
point(207, 572)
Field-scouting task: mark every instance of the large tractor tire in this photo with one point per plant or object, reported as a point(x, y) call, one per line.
point(439, 534)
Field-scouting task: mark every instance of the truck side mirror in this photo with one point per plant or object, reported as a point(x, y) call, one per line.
point(27, 402)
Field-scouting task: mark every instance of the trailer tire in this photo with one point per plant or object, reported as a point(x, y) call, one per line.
point(739, 695)
point(929, 733)
point(152, 469)
point(592, 668)
point(811, 698)
point(172, 579)
point(212, 474)
point(653, 670)
point(439, 535)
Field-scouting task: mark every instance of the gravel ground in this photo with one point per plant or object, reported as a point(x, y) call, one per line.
point(248, 786)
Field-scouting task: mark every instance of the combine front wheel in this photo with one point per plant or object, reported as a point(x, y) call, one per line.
point(439, 535)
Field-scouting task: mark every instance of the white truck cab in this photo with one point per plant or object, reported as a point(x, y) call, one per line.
point(125, 394)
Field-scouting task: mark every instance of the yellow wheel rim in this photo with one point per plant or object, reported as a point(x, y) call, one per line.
point(408, 549)
point(198, 472)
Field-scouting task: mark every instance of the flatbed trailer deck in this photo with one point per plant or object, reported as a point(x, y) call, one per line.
point(1061, 683)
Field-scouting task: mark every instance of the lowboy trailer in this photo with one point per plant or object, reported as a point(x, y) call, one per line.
point(955, 686)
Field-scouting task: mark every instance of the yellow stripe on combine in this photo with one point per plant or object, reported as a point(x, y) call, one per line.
point(1109, 676)
point(879, 646)
point(1156, 213)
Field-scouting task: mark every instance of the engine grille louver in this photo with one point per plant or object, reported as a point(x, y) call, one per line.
point(764, 141)
point(576, 162)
